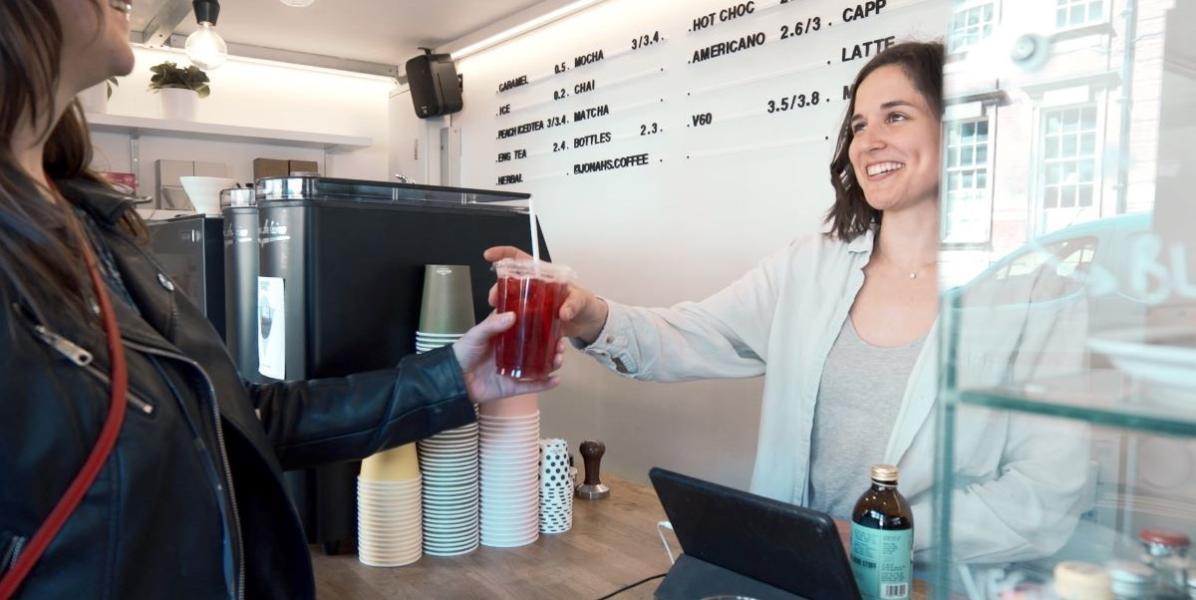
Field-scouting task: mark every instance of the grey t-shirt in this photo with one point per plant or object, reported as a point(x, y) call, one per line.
point(858, 399)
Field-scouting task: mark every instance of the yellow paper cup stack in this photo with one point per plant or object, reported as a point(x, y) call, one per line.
point(389, 508)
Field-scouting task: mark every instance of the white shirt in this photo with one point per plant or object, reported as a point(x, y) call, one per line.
point(1021, 481)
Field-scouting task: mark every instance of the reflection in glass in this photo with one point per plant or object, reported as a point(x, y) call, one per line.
point(1067, 425)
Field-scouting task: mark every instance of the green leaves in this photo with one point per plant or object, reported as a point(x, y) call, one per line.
point(170, 75)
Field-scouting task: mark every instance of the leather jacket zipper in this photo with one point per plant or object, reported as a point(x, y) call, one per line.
point(228, 473)
point(11, 551)
point(83, 359)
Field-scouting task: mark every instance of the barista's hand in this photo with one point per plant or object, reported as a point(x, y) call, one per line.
point(583, 315)
point(475, 352)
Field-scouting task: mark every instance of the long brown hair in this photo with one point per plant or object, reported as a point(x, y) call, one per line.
point(922, 62)
point(36, 254)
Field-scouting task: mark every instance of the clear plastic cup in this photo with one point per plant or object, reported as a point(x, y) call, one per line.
point(535, 292)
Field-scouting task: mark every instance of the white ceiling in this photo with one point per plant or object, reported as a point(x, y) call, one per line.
point(381, 31)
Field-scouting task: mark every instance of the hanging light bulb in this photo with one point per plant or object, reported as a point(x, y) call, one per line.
point(299, 3)
point(205, 47)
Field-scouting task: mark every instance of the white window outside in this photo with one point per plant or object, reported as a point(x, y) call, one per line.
point(1069, 166)
point(970, 24)
point(967, 195)
point(1077, 13)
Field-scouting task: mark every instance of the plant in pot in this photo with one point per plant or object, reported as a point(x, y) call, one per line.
point(180, 89)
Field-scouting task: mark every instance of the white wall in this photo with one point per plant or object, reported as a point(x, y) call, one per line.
point(257, 94)
point(711, 202)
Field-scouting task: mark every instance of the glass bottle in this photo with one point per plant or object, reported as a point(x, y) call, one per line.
point(1167, 553)
point(882, 539)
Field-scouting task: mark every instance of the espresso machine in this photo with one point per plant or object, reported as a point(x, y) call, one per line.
point(338, 292)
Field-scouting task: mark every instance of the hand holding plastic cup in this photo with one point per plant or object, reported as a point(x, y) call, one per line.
point(534, 291)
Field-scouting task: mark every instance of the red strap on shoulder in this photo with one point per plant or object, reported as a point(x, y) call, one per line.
point(99, 454)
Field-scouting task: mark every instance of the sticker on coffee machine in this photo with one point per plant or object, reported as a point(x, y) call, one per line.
point(271, 327)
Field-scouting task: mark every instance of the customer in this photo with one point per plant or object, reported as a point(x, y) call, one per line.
point(190, 502)
point(842, 325)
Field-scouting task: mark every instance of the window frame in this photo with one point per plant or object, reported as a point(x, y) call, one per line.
point(965, 6)
point(1105, 16)
point(989, 115)
point(1039, 162)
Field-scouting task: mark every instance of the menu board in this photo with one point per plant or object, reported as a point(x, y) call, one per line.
point(626, 107)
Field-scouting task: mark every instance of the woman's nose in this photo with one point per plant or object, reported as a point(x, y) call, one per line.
point(869, 139)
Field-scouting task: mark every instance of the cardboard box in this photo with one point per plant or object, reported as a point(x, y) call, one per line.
point(275, 167)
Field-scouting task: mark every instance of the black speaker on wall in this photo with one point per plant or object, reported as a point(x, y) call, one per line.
point(435, 89)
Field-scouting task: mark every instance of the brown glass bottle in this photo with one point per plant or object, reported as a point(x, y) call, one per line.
point(882, 539)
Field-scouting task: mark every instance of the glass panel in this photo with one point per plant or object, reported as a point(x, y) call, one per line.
point(1085, 195)
point(1066, 420)
point(1067, 196)
point(1070, 146)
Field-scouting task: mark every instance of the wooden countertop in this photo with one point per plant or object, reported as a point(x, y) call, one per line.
point(613, 543)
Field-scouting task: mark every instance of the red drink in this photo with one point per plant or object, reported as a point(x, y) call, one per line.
point(526, 350)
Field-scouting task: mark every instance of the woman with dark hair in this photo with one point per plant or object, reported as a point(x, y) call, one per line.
point(134, 463)
point(843, 327)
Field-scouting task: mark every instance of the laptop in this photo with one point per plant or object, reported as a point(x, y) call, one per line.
point(738, 543)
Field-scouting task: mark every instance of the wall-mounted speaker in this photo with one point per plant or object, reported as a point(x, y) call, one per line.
point(435, 89)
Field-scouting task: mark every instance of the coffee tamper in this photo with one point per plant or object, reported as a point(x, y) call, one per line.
point(592, 488)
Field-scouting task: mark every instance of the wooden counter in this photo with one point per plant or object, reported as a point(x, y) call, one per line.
point(613, 543)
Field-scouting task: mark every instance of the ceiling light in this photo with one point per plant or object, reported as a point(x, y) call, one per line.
point(298, 3)
point(205, 47)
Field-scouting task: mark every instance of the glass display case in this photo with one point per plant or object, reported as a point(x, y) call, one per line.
point(1066, 428)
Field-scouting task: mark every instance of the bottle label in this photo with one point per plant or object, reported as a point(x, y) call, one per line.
point(882, 562)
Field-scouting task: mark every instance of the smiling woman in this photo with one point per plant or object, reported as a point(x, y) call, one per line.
point(843, 327)
point(903, 83)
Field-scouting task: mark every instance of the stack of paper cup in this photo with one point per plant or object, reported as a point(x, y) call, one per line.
point(389, 521)
point(510, 452)
point(446, 308)
point(449, 462)
point(556, 487)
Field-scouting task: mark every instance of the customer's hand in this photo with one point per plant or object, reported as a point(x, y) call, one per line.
point(475, 352)
point(583, 315)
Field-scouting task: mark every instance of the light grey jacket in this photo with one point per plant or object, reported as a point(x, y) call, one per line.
point(1020, 481)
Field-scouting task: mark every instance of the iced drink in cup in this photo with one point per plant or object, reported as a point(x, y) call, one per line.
point(535, 292)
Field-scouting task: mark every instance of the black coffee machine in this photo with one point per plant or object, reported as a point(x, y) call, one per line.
point(190, 249)
point(340, 279)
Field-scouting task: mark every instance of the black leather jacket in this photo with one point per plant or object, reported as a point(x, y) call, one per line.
point(191, 502)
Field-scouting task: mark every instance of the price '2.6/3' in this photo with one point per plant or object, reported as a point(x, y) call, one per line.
point(801, 27)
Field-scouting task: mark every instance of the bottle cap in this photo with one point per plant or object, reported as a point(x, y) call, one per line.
point(886, 473)
point(1075, 580)
point(1163, 537)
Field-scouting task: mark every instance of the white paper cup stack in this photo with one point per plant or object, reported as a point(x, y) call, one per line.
point(426, 342)
point(510, 461)
point(450, 466)
point(556, 487)
point(389, 521)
